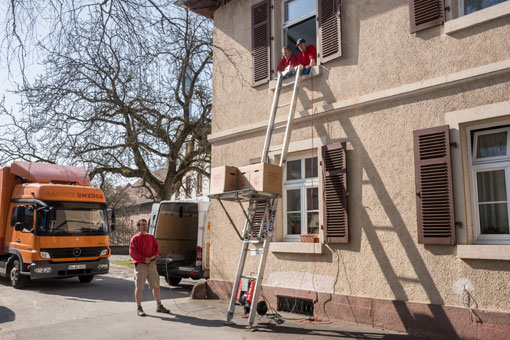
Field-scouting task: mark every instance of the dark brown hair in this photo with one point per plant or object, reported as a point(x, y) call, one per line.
point(140, 221)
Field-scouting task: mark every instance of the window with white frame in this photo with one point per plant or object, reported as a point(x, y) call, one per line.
point(299, 22)
point(490, 182)
point(301, 200)
point(471, 6)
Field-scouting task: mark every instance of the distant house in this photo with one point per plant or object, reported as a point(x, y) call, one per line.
point(399, 158)
point(139, 206)
point(196, 187)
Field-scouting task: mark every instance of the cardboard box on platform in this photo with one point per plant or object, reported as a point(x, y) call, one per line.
point(262, 177)
point(243, 177)
point(223, 179)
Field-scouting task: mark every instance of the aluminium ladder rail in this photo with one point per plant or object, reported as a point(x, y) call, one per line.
point(259, 223)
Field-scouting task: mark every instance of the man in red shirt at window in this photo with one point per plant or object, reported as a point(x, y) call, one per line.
point(287, 60)
point(143, 249)
point(308, 55)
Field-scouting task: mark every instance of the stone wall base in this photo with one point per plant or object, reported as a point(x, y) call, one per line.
point(120, 250)
point(437, 321)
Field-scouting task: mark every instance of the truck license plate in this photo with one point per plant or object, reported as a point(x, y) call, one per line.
point(76, 266)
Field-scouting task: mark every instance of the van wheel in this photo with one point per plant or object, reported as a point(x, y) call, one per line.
point(85, 278)
point(17, 280)
point(173, 280)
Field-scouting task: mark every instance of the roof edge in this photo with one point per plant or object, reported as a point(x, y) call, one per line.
point(204, 8)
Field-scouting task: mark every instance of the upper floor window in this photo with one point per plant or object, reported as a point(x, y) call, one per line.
point(470, 6)
point(490, 179)
point(299, 21)
point(317, 22)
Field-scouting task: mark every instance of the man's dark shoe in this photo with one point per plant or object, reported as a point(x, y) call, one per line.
point(140, 312)
point(162, 309)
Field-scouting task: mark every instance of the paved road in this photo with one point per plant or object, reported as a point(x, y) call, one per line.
point(105, 309)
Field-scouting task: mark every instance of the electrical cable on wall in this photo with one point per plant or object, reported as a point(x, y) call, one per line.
point(317, 316)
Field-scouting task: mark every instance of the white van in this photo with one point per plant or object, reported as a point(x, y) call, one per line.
point(182, 231)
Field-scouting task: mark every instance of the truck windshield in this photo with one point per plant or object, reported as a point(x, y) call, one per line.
point(73, 218)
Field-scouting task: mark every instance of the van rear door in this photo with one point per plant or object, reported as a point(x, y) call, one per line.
point(154, 218)
point(180, 227)
point(203, 244)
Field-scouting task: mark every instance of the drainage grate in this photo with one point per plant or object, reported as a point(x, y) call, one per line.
point(295, 305)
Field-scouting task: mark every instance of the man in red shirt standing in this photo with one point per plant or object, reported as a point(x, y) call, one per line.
point(288, 59)
point(308, 55)
point(143, 249)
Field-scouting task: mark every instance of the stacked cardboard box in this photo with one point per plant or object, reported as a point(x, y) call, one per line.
point(223, 179)
point(263, 177)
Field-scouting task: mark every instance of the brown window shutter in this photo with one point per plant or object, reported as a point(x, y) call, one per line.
point(425, 14)
point(334, 179)
point(260, 42)
point(330, 29)
point(434, 193)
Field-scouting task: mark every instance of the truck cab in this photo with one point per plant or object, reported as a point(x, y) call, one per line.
point(181, 229)
point(53, 224)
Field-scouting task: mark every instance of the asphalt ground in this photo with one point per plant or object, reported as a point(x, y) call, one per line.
point(105, 309)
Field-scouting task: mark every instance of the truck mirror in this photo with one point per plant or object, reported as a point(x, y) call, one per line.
point(18, 226)
point(52, 213)
point(112, 223)
point(20, 215)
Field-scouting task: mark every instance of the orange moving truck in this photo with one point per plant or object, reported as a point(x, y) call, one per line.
point(53, 224)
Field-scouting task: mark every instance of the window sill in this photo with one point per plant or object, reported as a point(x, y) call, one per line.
point(476, 18)
point(483, 252)
point(315, 72)
point(296, 247)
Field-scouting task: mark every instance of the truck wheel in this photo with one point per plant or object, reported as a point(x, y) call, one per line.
point(85, 278)
point(17, 280)
point(173, 280)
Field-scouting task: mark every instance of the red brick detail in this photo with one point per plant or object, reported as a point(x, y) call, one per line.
point(441, 322)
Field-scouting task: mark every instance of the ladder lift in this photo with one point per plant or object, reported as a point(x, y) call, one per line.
point(261, 212)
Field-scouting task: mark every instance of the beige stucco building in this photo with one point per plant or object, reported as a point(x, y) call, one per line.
point(373, 90)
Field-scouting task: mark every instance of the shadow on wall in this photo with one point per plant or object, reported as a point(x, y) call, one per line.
point(487, 265)
point(6, 315)
point(351, 20)
point(363, 164)
point(399, 227)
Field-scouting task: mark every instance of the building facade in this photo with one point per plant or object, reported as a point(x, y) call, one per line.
point(399, 158)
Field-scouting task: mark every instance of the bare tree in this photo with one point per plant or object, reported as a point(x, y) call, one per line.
point(126, 85)
point(117, 196)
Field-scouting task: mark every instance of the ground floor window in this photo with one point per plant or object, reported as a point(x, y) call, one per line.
point(490, 180)
point(301, 197)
